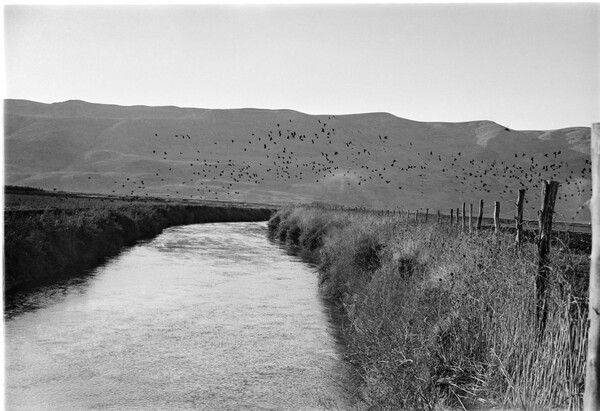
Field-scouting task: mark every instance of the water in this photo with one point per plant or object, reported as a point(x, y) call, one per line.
point(210, 316)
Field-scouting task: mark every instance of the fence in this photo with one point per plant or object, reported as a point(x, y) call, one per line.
point(456, 219)
point(591, 398)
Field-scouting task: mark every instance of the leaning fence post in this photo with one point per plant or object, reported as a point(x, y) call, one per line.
point(451, 216)
point(439, 216)
point(497, 217)
point(480, 216)
point(591, 396)
point(519, 218)
point(549, 191)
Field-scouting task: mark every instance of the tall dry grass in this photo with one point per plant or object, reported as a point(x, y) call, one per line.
point(443, 319)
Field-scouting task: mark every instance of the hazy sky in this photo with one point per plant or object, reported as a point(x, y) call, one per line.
point(526, 66)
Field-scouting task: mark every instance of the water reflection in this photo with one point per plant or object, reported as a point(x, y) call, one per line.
point(42, 296)
point(336, 318)
point(207, 316)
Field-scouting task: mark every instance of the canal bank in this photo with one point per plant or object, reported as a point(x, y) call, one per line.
point(45, 245)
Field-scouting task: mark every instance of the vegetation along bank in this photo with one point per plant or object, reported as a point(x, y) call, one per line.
point(439, 318)
point(48, 236)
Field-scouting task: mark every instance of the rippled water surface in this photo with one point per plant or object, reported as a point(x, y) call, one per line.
point(210, 316)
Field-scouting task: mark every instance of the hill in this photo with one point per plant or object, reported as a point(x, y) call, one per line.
point(281, 156)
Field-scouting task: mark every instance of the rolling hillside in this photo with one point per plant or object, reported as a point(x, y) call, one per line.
point(280, 156)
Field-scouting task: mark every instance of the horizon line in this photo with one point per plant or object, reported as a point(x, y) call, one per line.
point(172, 106)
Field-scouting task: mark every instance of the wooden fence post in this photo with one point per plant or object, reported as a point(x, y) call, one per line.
point(439, 216)
point(451, 216)
point(497, 217)
point(457, 216)
point(426, 215)
point(549, 191)
point(470, 218)
point(591, 396)
point(519, 219)
point(464, 217)
point(480, 216)
point(417, 216)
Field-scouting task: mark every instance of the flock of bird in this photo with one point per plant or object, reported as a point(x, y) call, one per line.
point(284, 158)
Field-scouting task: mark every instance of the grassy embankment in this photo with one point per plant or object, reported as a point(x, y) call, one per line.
point(443, 319)
point(49, 236)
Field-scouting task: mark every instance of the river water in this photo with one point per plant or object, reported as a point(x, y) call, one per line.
point(210, 317)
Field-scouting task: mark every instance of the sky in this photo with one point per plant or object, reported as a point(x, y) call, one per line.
point(525, 66)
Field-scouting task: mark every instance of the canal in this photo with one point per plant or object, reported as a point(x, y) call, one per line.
point(207, 316)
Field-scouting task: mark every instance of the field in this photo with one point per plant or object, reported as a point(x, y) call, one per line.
point(48, 235)
point(438, 318)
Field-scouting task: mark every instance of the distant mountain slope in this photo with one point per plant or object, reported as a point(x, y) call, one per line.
point(373, 159)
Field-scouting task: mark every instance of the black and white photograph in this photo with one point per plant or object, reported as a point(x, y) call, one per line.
point(301, 206)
